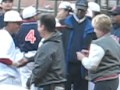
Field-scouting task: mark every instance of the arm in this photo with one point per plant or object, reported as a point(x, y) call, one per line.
point(88, 39)
point(6, 61)
point(95, 56)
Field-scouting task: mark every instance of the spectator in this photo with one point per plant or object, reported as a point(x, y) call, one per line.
point(6, 5)
point(64, 10)
point(115, 15)
point(103, 60)
point(93, 9)
point(78, 36)
point(49, 70)
point(10, 87)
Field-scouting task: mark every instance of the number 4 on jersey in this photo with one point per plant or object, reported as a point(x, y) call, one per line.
point(30, 37)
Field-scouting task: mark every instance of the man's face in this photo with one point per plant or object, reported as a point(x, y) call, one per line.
point(62, 13)
point(115, 19)
point(41, 29)
point(7, 5)
point(80, 13)
point(14, 26)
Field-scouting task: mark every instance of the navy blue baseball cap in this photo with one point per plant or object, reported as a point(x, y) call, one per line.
point(81, 4)
point(115, 10)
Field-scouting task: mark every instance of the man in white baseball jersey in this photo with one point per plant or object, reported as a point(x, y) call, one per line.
point(10, 57)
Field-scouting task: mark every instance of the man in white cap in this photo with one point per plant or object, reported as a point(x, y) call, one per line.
point(64, 10)
point(10, 57)
point(27, 39)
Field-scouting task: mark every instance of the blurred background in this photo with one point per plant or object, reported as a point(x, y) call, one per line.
point(50, 6)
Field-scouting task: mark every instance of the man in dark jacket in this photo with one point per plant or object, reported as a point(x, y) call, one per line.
point(77, 37)
point(49, 69)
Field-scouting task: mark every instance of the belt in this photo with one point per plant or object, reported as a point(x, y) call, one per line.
point(107, 77)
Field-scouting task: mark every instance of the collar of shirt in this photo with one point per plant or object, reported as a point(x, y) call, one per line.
point(77, 19)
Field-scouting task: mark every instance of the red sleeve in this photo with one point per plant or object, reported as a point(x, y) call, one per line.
point(6, 61)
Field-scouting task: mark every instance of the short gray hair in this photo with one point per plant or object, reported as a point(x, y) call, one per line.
point(102, 22)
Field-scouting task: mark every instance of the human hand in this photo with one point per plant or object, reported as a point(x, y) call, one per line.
point(85, 52)
point(20, 63)
point(80, 55)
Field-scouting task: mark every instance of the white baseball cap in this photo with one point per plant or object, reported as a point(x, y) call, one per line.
point(29, 12)
point(64, 5)
point(12, 16)
point(94, 6)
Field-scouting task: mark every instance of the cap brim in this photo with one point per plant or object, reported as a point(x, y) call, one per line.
point(113, 12)
point(81, 7)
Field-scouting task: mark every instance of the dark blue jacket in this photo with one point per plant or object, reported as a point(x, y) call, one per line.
point(75, 38)
point(27, 39)
point(78, 37)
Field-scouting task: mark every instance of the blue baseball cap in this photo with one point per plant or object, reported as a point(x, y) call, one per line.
point(81, 4)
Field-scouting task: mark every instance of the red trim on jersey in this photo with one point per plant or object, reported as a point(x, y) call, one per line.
point(6, 61)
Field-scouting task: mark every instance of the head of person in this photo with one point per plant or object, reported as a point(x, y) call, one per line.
point(64, 9)
point(12, 21)
point(7, 4)
point(93, 9)
point(46, 25)
point(81, 8)
point(115, 14)
point(29, 13)
point(102, 24)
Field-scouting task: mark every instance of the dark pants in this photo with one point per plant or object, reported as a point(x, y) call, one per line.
point(74, 78)
point(60, 86)
point(107, 85)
